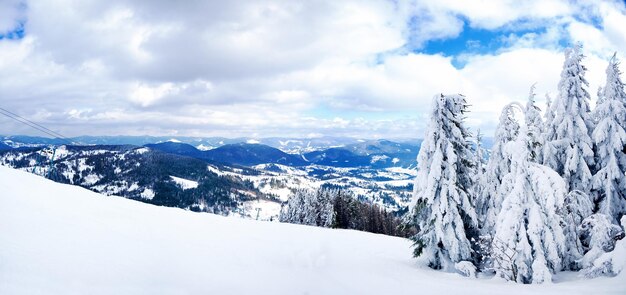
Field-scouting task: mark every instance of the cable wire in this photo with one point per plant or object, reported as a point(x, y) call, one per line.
point(34, 125)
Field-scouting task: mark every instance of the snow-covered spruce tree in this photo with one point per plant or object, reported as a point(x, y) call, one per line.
point(442, 208)
point(489, 202)
point(599, 101)
point(479, 155)
point(598, 234)
point(479, 168)
point(577, 207)
point(528, 241)
point(570, 150)
point(610, 263)
point(324, 208)
point(534, 124)
point(609, 137)
point(293, 211)
point(549, 132)
point(309, 208)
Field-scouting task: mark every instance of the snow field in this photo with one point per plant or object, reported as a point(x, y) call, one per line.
point(62, 239)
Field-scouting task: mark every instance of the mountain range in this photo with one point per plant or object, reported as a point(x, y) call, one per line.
point(232, 179)
point(288, 145)
point(328, 151)
point(139, 173)
point(373, 154)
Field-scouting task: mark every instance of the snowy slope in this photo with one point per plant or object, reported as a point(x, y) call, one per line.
point(184, 183)
point(62, 239)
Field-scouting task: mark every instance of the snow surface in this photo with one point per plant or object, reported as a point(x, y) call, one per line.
point(184, 183)
point(203, 147)
point(91, 179)
point(147, 194)
point(215, 170)
point(142, 150)
point(268, 210)
point(63, 239)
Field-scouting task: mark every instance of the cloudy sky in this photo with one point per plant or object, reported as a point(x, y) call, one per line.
point(286, 68)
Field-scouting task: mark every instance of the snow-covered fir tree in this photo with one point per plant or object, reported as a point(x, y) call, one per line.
point(310, 208)
point(293, 211)
point(548, 126)
point(570, 150)
point(528, 241)
point(489, 201)
point(609, 137)
point(442, 207)
point(599, 101)
point(479, 172)
point(479, 155)
point(577, 207)
point(323, 207)
point(534, 125)
point(598, 234)
point(609, 263)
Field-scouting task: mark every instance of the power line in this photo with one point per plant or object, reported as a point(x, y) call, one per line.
point(26, 123)
point(34, 125)
point(29, 124)
point(29, 121)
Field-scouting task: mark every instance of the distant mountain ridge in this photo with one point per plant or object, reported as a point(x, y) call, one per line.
point(286, 144)
point(374, 154)
point(327, 151)
point(245, 154)
point(248, 154)
point(179, 175)
point(138, 173)
point(4, 146)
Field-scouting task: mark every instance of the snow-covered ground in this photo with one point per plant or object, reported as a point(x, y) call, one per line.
point(263, 209)
point(184, 183)
point(63, 239)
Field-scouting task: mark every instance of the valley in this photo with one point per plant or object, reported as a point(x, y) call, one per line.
point(246, 179)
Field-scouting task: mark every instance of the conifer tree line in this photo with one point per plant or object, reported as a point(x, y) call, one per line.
point(550, 197)
point(336, 208)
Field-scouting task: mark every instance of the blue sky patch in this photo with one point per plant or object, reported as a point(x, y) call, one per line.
point(16, 33)
point(473, 41)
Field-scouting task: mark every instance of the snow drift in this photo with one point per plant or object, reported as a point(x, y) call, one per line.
point(62, 239)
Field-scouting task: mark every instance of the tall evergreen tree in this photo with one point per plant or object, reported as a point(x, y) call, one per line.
point(293, 211)
point(534, 127)
point(443, 212)
point(599, 101)
point(549, 133)
point(570, 150)
point(479, 172)
point(480, 155)
point(310, 208)
point(599, 234)
point(489, 202)
point(528, 242)
point(610, 138)
point(325, 213)
point(577, 207)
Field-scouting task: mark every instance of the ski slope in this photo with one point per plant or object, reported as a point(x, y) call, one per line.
point(62, 239)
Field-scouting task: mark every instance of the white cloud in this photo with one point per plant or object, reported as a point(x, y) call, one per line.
point(271, 68)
